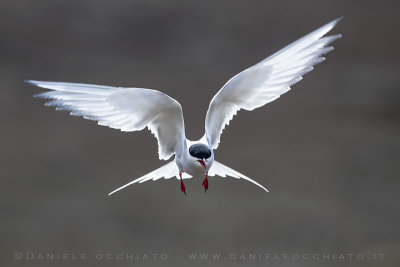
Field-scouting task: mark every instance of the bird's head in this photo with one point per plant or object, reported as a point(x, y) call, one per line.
point(200, 153)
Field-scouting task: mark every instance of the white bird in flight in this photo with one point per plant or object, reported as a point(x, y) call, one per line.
point(133, 109)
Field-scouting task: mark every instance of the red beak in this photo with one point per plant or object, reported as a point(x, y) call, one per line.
point(202, 163)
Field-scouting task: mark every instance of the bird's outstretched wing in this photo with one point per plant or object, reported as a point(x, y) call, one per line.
point(127, 109)
point(267, 80)
point(167, 171)
point(223, 171)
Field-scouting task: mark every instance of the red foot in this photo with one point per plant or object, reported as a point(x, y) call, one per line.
point(205, 183)
point(182, 184)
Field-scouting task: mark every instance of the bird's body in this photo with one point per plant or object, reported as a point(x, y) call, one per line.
point(133, 109)
point(196, 153)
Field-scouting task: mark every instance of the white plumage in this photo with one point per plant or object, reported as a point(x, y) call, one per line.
point(133, 109)
point(127, 109)
point(267, 80)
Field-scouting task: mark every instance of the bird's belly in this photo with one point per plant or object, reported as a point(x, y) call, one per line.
point(196, 169)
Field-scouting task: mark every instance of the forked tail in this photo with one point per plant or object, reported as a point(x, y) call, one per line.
point(223, 171)
point(167, 171)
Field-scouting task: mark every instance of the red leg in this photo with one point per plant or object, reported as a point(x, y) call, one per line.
point(182, 184)
point(205, 183)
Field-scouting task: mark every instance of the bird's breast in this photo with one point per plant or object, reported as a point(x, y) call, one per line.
point(195, 168)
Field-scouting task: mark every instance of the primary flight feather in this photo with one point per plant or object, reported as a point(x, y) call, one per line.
point(133, 109)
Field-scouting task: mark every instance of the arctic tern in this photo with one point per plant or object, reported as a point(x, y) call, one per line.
point(133, 109)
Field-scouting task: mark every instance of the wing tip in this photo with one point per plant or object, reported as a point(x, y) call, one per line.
point(330, 25)
point(338, 19)
point(335, 21)
point(336, 36)
point(32, 82)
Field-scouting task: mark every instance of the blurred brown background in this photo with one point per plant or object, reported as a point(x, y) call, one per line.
point(328, 150)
